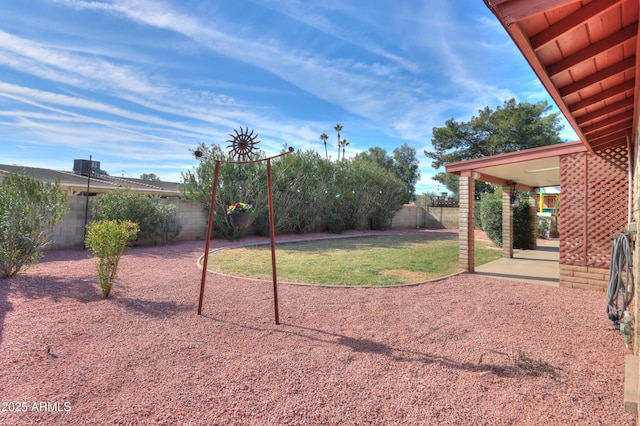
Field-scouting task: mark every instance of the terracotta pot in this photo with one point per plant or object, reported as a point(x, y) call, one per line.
point(239, 219)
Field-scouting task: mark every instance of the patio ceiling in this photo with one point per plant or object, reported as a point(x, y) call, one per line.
point(584, 53)
point(531, 168)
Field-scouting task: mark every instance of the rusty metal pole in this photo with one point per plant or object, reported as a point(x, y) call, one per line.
point(272, 228)
point(212, 209)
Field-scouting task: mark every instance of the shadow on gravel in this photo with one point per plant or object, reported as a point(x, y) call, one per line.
point(509, 369)
point(151, 308)
point(83, 290)
point(5, 305)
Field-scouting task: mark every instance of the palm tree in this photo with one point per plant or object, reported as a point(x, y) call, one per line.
point(338, 128)
point(323, 138)
point(344, 144)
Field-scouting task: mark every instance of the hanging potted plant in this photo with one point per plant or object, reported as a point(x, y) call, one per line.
point(239, 214)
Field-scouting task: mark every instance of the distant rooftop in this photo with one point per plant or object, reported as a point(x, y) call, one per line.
point(76, 184)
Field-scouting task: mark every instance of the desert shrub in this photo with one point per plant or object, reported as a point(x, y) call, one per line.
point(28, 211)
point(108, 240)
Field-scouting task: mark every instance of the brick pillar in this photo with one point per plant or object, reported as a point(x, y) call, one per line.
point(533, 204)
point(507, 222)
point(465, 221)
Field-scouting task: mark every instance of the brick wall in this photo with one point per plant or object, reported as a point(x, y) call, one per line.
point(586, 277)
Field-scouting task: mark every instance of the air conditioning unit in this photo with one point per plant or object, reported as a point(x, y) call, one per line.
point(82, 167)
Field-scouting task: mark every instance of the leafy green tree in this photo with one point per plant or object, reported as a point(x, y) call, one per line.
point(405, 167)
point(108, 240)
point(149, 176)
point(511, 127)
point(29, 209)
point(403, 164)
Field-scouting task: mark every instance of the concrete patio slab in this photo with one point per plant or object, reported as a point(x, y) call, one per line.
point(540, 266)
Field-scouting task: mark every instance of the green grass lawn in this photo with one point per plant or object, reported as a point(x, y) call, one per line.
point(358, 261)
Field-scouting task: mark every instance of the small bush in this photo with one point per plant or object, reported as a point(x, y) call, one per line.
point(28, 211)
point(108, 240)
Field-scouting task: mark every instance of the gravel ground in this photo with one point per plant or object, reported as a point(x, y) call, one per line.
point(460, 351)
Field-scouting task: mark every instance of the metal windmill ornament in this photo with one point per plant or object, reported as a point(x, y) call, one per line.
point(242, 144)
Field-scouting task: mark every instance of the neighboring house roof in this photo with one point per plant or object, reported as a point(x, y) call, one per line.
point(76, 184)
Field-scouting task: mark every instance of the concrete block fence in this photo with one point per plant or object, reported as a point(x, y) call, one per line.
point(69, 233)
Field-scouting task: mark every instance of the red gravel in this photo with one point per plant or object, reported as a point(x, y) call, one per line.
point(442, 353)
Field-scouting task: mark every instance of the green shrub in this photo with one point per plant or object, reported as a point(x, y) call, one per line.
point(154, 218)
point(167, 226)
point(543, 226)
point(28, 211)
point(108, 240)
point(491, 216)
point(128, 205)
point(522, 234)
point(334, 223)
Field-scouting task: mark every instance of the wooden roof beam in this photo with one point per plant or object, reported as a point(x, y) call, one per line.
point(626, 116)
point(614, 40)
point(620, 134)
point(574, 20)
point(605, 94)
point(618, 68)
point(607, 131)
point(608, 109)
point(517, 10)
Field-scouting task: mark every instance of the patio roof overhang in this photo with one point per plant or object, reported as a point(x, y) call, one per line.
point(585, 54)
point(530, 168)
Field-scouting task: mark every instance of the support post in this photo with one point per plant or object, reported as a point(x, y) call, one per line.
point(533, 207)
point(507, 221)
point(465, 221)
point(272, 229)
point(212, 210)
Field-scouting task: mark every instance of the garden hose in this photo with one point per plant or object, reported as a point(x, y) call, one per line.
point(621, 285)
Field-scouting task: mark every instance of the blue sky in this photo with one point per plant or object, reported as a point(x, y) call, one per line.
point(137, 83)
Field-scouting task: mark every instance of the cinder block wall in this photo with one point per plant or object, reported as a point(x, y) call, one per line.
point(429, 218)
point(69, 232)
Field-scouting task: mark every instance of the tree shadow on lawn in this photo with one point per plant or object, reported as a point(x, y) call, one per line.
point(396, 354)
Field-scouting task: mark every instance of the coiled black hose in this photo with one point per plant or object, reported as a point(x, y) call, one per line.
point(621, 285)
